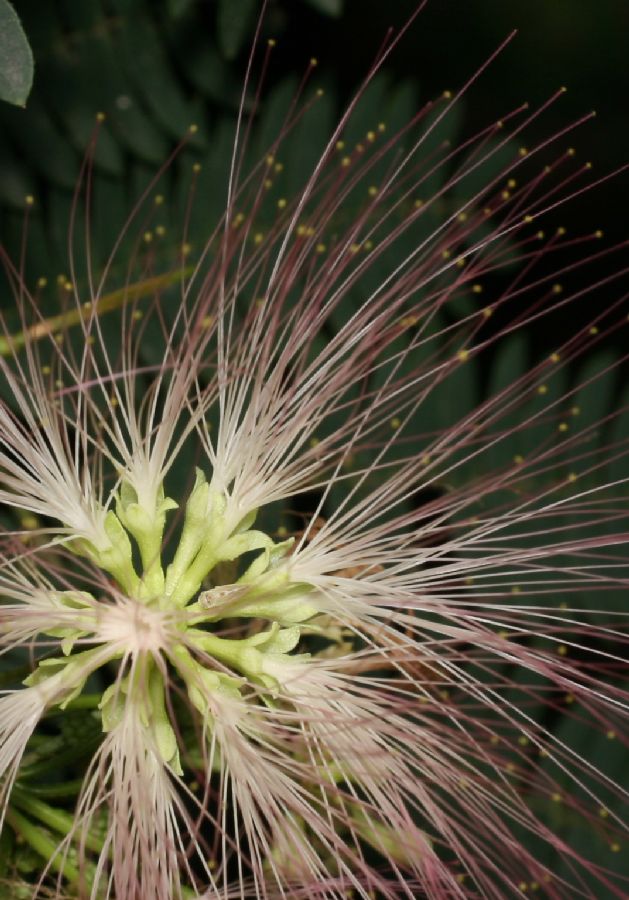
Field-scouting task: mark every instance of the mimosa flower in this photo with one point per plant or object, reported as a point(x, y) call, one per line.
point(323, 633)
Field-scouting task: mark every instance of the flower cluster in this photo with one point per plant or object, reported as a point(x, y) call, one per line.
point(327, 622)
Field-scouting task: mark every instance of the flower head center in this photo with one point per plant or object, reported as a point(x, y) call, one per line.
point(135, 627)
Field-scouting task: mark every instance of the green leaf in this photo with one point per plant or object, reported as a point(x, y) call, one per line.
point(234, 21)
point(16, 59)
point(327, 7)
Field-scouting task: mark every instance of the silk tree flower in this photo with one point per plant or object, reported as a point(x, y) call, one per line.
point(353, 652)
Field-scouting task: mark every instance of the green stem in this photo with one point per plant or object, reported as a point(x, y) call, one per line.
point(57, 819)
point(107, 303)
point(62, 789)
point(42, 844)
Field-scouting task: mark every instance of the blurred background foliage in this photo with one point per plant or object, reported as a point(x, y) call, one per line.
point(155, 68)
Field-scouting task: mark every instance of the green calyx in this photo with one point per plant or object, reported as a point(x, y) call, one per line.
point(146, 690)
point(259, 657)
point(147, 528)
point(163, 616)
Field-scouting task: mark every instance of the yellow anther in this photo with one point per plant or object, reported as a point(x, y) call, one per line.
point(562, 650)
point(196, 167)
point(518, 459)
point(382, 127)
point(610, 735)
point(100, 116)
point(418, 203)
point(572, 477)
point(372, 190)
point(556, 798)
point(281, 203)
point(511, 183)
point(563, 426)
point(158, 199)
point(160, 231)
point(527, 219)
point(192, 129)
point(42, 282)
point(447, 95)
point(571, 151)
point(395, 422)
point(554, 357)
point(258, 237)
point(487, 312)
point(321, 248)
point(207, 321)
point(147, 237)
point(340, 145)
point(278, 167)
point(463, 355)
point(598, 233)
point(346, 161)
point(29, 200)
point(271, 42)
point(314, 61)
point(542, 389)
point(477, 289)
point(593, 330)
point(371, 136)
point(561, 231)
point(523, 151)
point(462, 217)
